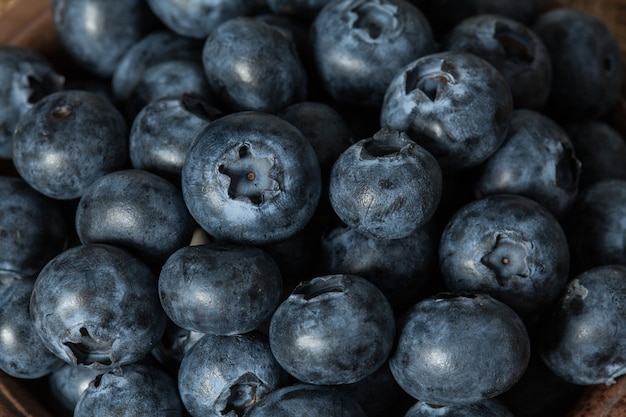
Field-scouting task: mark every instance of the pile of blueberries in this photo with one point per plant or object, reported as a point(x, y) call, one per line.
point(272, 208)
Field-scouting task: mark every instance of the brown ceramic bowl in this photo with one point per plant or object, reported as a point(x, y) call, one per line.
point(29, 23)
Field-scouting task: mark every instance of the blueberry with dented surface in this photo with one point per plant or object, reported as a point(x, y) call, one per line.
point(454, 104)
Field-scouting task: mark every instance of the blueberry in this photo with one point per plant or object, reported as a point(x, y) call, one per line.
point(67, 384)
point(359, 46)
point(582, 337)
point(197, 286)
point(454, 104)
point(488, 408)
point(251, 178)
point(197, 18)
point(509, 247)
point(595, 226)
point(97, 33)
point(386, 186)
point(28, 77)
point(97, 306)
point(67, 140)
point(131, 390)
point(32, 228)
point(537, 160)
point(400, 268)
point(601, 150)
point(137, 210)
point(514, 49)
point(163, 131)
point(458, 349)
point(223, 376)
point(333, 329)
point(151, 49)
point(22, 353)
point(587, 63)
point(261, 70)
point(309, 400)
point(168, 79)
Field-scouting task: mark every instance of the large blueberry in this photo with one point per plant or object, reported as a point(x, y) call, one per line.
point(67, 140)
point(197, 286)
point(251, 177)
point(223, 376)
point(488, 408)
point(583, 336)
point(587, 63)
point(130, 391)
point(595, 227)
point(507, 246)
point(458, 349)
point(454, 104)
point(32, 228)
point(197, 18)
point(22, 353)
point(359, 46)
point(252, 65)
point(97, 306)
point(153, 48)
point(97, 33)
point(514, 49)
point(28, 76)
point(333, 329)
point(306, 400)
point(137, 210)
point(536, 160)
point(163, 131)
point(386, 186)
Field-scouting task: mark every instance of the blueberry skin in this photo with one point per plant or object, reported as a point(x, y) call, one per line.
point(22, 354)
point(458, 349)
point(488, 408)
point(359, 46)
point(67, 384)
point(97, 306)
point(137, 210)
point(309, 400)
point(251, 178)
point(252, 65)
point(151, 49)
point(164, 130)
point(537, 160)
point(172, 78)
point(582, 338)
point(32, 228)
point(324, 127)
point(595, 226)
point(600, 149)
point(514, 49)
point(509, 247)
point(222, 376)
point(197, 18)
point(454, 104)
point(197, 286)
point(97, 33)
point(131, 390)
point(386, 186)
point(67, 140)
point(28, 76)
point(400, 268)
point(333, 329)
point(587, 63)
